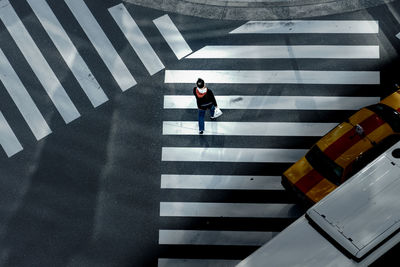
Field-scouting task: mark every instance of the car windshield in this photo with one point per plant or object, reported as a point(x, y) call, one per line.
point(324, 165)
point(391, 116)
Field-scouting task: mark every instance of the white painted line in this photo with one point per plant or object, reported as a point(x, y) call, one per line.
point(231, 210)
point(68, 51)
point(224, 154)
point(136, 39)
point(172, 36)
point(102, 44)
point(270, 77)
point(295, 51)
point(309, 26)
point(37, 62)
point(274, 102)
point(22, 99)
point(164, 262)
point(248, 128)
point(220, 182)
point(214, 238)
point(8, 140)
point(398, 35)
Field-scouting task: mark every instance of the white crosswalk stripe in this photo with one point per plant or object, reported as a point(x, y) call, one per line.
point(22, 99)
point(292, 51)
point(276, 77)
point(248, 128)
point(136, 38)
point(308, 26)
point(225, 154)
point(8, 140)
point(173, 37)
point(222, 238)
point(167, 262)
point(233, 210)
point(274, 102)
point(227, 182)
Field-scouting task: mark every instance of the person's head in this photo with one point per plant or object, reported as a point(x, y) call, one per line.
point(200, 83)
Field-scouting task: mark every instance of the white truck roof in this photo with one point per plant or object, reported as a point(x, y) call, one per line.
point(365, 211)
point(353, 226)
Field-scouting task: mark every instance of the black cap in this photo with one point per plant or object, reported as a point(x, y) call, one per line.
point(200, 83)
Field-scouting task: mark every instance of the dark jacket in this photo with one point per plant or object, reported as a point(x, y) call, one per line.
point(205, 101)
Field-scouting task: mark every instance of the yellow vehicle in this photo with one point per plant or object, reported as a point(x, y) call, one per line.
point(331, 160)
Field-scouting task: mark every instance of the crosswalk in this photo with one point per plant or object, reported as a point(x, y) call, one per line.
point(273, 77)
point(69, 53)
point(309, 26)
point(50, 82)
point(220, 192)
point(290, 51)
point(197, 168)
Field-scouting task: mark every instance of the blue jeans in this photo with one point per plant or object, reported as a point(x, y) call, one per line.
point(202, 113)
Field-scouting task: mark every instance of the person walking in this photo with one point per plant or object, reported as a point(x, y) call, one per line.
point(205, 100)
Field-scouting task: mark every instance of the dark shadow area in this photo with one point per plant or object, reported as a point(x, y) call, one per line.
point(56, 216)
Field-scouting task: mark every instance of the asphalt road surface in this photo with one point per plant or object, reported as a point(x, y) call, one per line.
point(101, 162)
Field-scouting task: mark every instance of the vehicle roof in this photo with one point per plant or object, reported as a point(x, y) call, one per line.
point(298, 245)
point(373, 195)
point(393, 100)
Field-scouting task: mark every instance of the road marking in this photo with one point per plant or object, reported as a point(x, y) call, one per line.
point(102, 44)
point(309, 26)
point(220, 182)
point(398, 35)
point(270, 77)
point(274, 102)
point(164, 262)
point(248, 128)
point(8, 140)
point(213, 238)
point(68, 51)
point(294, 51)
point(224, 154)
point(22, 99)
point(136, 39)
point(37, 62)
point(232, 210)
point(172, 36)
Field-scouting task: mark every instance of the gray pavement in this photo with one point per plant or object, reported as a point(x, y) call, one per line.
point(259, 9)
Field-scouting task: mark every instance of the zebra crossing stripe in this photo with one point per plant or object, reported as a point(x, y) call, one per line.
point(220, 182)
point(294, 51)
point(231, 210)
point(68, 51)
point(273, 77)
point(172, 35)
point(224, 154)
point(8, 140)
point(308, 26)
point(136, 38)
point(213, 238)
point(102, 44)
point(167, 262)
point(248, 128)
point(22, 99)
point(274, 102)
point(38, 63)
